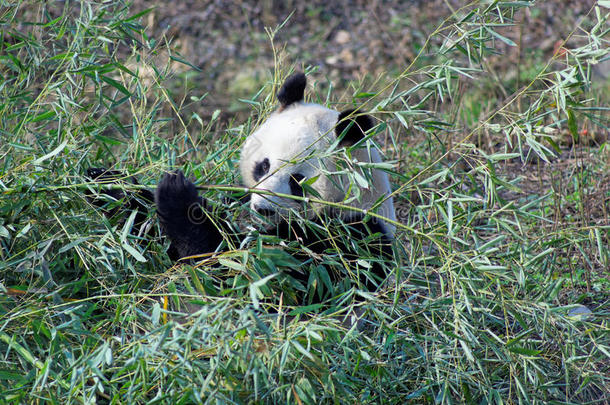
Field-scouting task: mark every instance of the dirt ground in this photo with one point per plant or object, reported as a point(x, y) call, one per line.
point(346, 40)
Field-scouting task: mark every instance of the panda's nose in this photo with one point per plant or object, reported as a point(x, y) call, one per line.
point(268, 212)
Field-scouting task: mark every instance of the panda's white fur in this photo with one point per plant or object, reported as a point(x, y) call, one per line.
point(296, 139)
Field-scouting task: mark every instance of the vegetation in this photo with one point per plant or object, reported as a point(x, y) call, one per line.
point(502, 188)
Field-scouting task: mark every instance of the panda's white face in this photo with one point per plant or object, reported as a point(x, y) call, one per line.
point(293, 145)
point(285, 150)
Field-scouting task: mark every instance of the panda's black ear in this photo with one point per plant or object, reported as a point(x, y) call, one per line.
point(355, 125)
point(293, 90)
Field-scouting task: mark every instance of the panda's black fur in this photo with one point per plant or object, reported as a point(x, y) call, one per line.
point(292, 90)
point(194, 229)
point(138, 201)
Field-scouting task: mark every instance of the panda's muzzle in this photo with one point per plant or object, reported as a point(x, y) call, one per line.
point(268, 212)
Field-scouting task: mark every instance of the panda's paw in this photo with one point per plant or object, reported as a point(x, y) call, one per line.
point(177, 199)
point(101, 173)
point(99, 199)
point(184, 217)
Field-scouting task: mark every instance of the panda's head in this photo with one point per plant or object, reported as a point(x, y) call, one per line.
point(297, 143)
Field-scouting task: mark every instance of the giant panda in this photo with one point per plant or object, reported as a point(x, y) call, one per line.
point(298, 143)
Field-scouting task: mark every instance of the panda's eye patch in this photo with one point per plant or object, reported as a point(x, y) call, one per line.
point(295, 187)
point(261, 169)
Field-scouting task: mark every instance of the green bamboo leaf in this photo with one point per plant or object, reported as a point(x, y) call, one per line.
point(501, 37)
point(54, 152)
point(524, 351)
point(232, 264)
point(116, 85)
point(572, 126)
point(140, 14)
point(134, 252)
point(185, 62)
point(364, 95)
point(44, 116)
